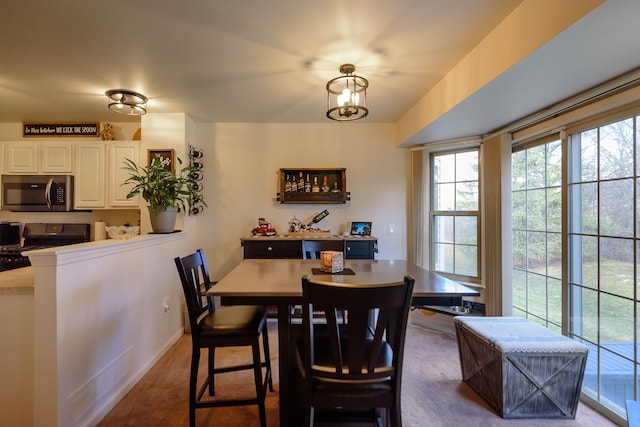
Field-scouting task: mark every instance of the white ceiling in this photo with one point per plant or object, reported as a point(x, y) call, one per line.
point(269, 60)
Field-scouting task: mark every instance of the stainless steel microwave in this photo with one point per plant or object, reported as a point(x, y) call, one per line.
point(37, 193)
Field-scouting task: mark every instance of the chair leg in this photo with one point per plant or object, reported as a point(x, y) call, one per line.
point(257, 374)
point(267, 356)
point(193, 383)
point(394, 415)
point(212, 377)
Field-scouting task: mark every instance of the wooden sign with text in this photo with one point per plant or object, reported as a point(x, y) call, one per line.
point(61, 129)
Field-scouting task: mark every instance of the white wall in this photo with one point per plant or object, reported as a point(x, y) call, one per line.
point(241, 166)
point(100, 322)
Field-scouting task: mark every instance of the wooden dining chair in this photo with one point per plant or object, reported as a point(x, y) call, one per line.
point(311, 248)
point(358, 366)
point(226, 326)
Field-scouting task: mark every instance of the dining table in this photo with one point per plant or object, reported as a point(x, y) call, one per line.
point(277, 283)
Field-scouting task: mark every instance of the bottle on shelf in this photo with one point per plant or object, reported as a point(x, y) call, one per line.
point(294, 184)
point(325, 186)
point(307, 185)
point(287, 185)
point(301, 183)
point(315, 188)
point(335, 187)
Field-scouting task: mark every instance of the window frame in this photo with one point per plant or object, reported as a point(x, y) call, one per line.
point(453, 213)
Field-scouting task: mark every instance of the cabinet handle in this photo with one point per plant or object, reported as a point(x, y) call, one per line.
point(348, 248)
point(269, 248)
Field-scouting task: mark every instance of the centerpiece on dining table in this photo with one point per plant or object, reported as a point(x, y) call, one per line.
point(331, 261)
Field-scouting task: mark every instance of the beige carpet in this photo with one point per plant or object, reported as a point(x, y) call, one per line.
point(433, 392)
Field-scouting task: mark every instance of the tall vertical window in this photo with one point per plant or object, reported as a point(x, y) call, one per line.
point(604, 238)
point(455, 214)
point(537, 233)
point(600, 266)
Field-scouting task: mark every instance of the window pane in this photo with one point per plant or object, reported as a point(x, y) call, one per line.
point(466, 230)
point(519, 278)
point(554, 163)
point(465, 261)
point(443, 229)
point(467, 196)
point(589, 155)
point(616, 266)
point(616, 150)
point(519, 250)
point(467, 166)
point(444, 168)
point(554, 300)
point(537, 295)
point(518, 171)
point(584, 219)
point(443, 257)
point(519, 210)
point(536, 167)
point(554, 209)
point(536, 209)
point(616, 208)
point(554, 255)
point(584, 261)
point(536, 252)
point(443, 197)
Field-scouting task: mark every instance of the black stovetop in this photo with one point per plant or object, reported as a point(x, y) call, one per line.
point(39, 236)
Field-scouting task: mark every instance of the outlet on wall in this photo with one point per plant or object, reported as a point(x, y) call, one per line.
point(165, 304)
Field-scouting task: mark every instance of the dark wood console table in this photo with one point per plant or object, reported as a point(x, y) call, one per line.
point(290, 247)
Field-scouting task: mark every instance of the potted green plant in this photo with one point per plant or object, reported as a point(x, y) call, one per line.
point(166, 192)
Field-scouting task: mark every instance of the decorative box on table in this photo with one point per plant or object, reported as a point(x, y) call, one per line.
point(332, 261)
point(521, 369)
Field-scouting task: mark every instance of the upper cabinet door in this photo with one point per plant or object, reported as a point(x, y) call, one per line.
point(39, 157)
point(21, 157)
point(90, 175)
point(118, 152)
point(56, 157)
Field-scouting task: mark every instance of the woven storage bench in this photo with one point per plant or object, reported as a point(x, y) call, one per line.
point(521, 369)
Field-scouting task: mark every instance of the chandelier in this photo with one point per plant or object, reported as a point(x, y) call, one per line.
point(126, 101)
point(347, 95)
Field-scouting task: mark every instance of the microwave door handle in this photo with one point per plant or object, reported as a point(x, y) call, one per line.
point(47, 194)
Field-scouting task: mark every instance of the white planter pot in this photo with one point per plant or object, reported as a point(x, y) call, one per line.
point(164, 221)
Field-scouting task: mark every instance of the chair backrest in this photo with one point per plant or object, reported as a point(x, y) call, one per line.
point(311, 248)
point(371, 345)
point(194, 276)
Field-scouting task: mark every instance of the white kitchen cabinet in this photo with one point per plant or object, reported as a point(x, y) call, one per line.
point(21, 157)
point(99, 175)
point(90, 177)
point(27, 157)
point(56, 157)
point(117, 193)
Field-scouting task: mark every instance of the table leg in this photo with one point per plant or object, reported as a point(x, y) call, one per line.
point(284, 363)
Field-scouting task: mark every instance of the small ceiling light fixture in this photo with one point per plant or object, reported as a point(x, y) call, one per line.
point(126, 101)
point(347, 95)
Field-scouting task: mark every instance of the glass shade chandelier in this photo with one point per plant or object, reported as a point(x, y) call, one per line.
point(124, 101)
point(347, 95)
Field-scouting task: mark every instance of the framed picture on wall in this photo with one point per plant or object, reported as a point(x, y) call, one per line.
point(164, 155)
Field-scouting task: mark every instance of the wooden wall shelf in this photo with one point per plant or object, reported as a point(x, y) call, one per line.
point(319, 186)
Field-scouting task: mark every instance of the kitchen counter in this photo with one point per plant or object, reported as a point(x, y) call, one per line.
point(17, 281)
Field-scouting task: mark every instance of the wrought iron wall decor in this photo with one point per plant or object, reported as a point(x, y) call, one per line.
point(195, 162)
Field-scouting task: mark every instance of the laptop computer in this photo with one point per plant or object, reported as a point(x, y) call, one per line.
point(361, 228)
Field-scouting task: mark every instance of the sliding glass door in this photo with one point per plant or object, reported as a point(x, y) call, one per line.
point(597, 301)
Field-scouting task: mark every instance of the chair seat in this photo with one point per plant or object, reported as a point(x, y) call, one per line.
point(234, 320)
